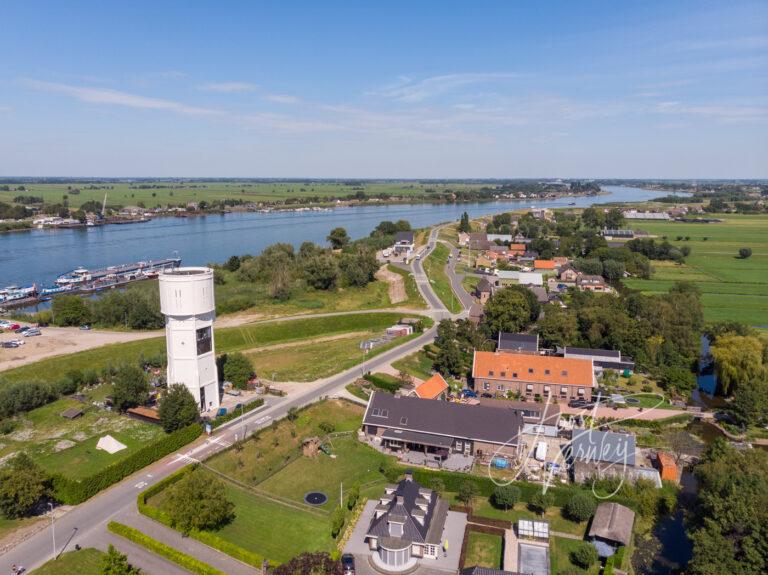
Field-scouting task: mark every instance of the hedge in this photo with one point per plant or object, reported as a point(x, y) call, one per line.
point(210, 539)
point(182, 559)
point(71, 491)
point(382, 382)
point(234, 414)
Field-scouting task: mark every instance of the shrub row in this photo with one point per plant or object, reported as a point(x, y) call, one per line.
point(236, 413)
point(210, 539)
point(72, 492)
point(382, 383)
point(182, 559)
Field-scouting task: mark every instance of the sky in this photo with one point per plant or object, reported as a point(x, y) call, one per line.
point(396, 89)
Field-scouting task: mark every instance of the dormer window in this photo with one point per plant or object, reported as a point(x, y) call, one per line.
point(403, 421)
point(490, 373)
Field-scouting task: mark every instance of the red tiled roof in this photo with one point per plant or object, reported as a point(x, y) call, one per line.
point(532, 368)
point(432, 388)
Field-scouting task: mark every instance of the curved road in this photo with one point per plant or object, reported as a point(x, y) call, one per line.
point(86, 524)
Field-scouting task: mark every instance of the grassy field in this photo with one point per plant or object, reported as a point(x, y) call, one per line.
point(274, 477)
point(732, 288)
point(239, 338)
point(484, 550)
point(554, 516)
point(69, 446)
point(411, 289)
point(417, 365)
point(434, 267)
point(560, 550)
point(83, 562)
point(127, 194)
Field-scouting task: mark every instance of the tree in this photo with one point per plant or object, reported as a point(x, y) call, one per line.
point(750, 402)
point(505, 496)
point(744, 253)
point(238, 370)
point(232, 264)
point(541, 501)
point(129, 387)
point(585, 555)
point(70, 310)
point(613, 270)
point(338, 238)
point(337, 521)
point(467, 492)
point(591, 266)
point(737, 359)
point(22, 486)
point(448, 359)
point(198, 501)
point(581, 506)
point(506, 310)
point(116, 563)
point(558, 327)
point(352, 496)
point(682, 443)
point(464, 223)
point(593, 218)
point(678, 379)
point(358, 268)
point(614, 219)
point(178, 408)
point(320, 271)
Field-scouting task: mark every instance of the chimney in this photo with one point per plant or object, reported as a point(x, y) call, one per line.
point(400, 500)
point(409, 474)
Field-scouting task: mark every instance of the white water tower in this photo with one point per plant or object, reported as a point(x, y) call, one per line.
point(187, 302)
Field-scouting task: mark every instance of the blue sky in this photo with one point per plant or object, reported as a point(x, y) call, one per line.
point(385, 89)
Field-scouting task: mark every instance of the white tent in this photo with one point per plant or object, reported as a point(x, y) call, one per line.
point(110, 444)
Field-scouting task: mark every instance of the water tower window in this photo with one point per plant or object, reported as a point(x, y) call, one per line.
point(204, 340)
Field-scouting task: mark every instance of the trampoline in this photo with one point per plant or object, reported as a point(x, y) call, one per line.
point(315, 498)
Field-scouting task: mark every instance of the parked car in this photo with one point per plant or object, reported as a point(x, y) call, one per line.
point(468, 393)
point(85, 327)
point(13, 326)
point(348, 564)
point(31, 332)
point(580, 404)
point(22, 329)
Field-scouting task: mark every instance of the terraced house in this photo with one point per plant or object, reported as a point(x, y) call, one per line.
point(532, 376)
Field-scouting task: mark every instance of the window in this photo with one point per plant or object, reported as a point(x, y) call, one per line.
point(204, 340)
point(375, 411)
point(503, 374)
point(581, 391)
point(514, 374)
point(499, 387)
point(546, 372)
point(486, 386)
point(385, 413)
point(459, 446)
point(563, 389)
point(529, 387)
point(490, 373)
point(403, 421)
point(546, 390)
point(564, 373)
point(530, 370)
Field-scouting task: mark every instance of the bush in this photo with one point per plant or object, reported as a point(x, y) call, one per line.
point(198, 502)
point(72, 492)
point(382, 383)
point(237, 370)
point(744, 253)
point(21, 397)
point(541, 502)
point(178, 408)
point(581, 506)
point(172, 554)
point(337, 521)
point(505, 496)
point(130, 387)
point(585, 555)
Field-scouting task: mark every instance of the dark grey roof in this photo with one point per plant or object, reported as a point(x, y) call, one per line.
point(517, 342)
point(401, 509)
point(541, 294)
point(417, 437)
point(404, 237)
point(453, 420)
point(531, 411)
point(589, 351)
point(613, 522)
point(606, 446)
point(484, 285)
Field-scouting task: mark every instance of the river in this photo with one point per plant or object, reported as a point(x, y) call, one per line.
point(39, 256)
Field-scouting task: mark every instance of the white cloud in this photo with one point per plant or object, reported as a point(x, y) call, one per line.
point(228, 87)
point(117, 98)
point(406, 90)
point(281, 99)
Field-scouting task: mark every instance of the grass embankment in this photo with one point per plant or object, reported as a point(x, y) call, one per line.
point(414, 299)
point(434, 267)
point(484, 550)
point(83, 562)
point(269, 476)
point(239, 338)
point(732, 288)
point(126, 194)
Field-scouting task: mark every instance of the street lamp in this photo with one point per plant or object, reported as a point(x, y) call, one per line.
point(53, 530)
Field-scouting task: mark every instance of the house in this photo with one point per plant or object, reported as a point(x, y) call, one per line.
point(594, 283)
point(636, 215)
point(611, 527)
point(538, 418)
point(503, 238)
point(544, 265)
point(560, 261)
point(568, 274)
point(533, 375)
point(516, 249)
point(600, 454)
point(667, 467)
point(440, 428)
point(517, 343)
point(483, 290)
point(434, 388)
point(541, 293)
point(404, 244)
point(483, 261)
point(476, 313)
point(463, 239)
point(601, 358)
point(407, 526)
point(479, 241)
point(507, 277)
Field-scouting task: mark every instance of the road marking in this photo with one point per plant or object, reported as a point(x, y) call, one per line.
point(141, 485)
point(220, 441)
point(263, 419)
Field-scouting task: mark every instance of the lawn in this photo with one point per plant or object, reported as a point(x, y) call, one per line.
point(411, 289)
point(312, 361)
point(482, 507)
point(484, 550)
point(732, 288)
point(434, 267)
point(69, 446)
point(416, 364)
point(560, 550)
point(239, 338)
point(83, 562)
point(469, 283)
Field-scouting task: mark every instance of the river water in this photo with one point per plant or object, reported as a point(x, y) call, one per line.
point(39, 256)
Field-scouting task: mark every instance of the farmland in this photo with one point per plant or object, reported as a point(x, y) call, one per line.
point(732, 288)
point(153, 194)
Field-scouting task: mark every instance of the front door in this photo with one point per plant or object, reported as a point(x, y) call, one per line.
point(202, 399)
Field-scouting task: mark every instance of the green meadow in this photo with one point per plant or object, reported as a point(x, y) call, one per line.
point(732, 288)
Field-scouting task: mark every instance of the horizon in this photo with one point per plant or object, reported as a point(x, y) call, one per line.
point(652, 91)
